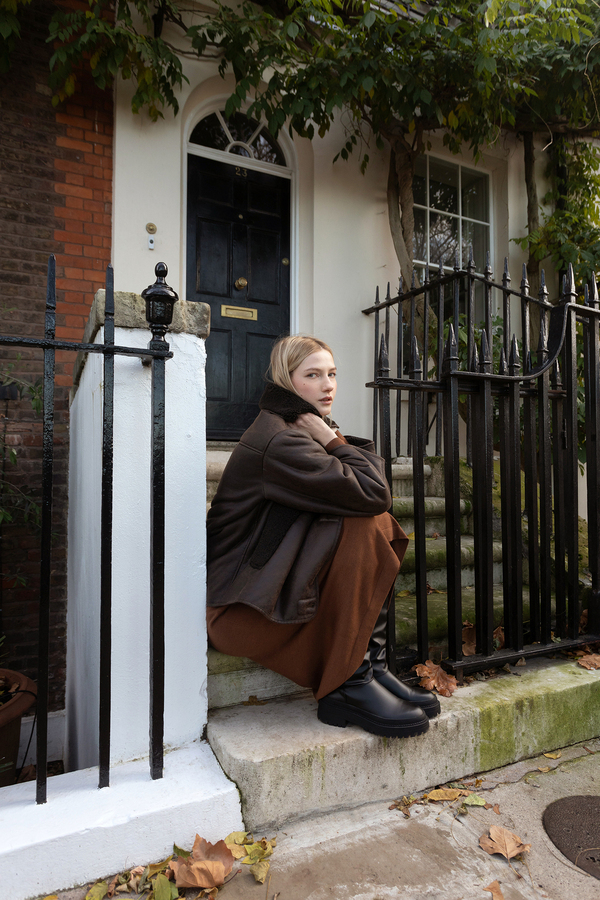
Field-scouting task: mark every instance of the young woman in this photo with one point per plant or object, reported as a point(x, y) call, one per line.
point(303, 555)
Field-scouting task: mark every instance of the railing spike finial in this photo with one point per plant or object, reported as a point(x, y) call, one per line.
point(415, 358)
point(383, 367)
point(502, 367)
point(475, 359)
point(450, 361)
point(401, 284)
point(456, 262)
point(524, 281)
point(377, 296)
point(515, 359)
point(413, 280)
point(543, 341)
point(488, 266)
point(594, 292)
point(440, 269)
point(471, 260)
point(486, 356)
point(506, 279)
point(571, 281)
point(543, 291)
point(387, 293)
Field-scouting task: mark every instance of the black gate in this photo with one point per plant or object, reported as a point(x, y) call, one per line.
point(160, 299)
point(535, 407)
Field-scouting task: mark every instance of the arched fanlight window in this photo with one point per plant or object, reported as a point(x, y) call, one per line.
point(238, 134)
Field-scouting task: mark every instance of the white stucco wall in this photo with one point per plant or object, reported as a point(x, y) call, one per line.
point(341, 246)
point(185, 632)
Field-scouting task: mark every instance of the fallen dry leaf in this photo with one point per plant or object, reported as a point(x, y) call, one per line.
point(404, 805)
point(260, 870)
point(590, 661)
point(501, 840)
point(235, 842)
point(468, 639)
point(112, 886)
point(521, 662)
point(474, 800)
point(494, 889)
point(496, 809)
point(253, 701)
point(97, 891)
point(206, 867)
point(440, 794)
point(498, 637)
point(556, 754)
point(433, 677)
point(543, 769)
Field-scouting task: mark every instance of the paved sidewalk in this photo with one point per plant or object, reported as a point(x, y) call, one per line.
point(374, 853)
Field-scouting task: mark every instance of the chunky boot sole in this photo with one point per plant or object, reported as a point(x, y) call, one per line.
point(341, 714)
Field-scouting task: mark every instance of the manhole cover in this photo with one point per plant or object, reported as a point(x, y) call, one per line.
point(573, 825)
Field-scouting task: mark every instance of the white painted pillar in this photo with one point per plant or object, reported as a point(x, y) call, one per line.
point(185, 629)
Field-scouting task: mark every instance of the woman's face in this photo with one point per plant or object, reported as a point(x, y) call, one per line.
point(315, 380)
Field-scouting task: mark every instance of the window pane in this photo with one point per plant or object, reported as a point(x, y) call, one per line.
point(420, 181)
point(209, 133)
point(443, 185)
point(240, 151)
point(443, 239)
point(478, 237)
point(241, 127)
point(266, 148)
point(475, 195)
point(420, 235)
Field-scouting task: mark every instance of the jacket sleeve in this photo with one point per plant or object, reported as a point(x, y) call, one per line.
point(347, 481)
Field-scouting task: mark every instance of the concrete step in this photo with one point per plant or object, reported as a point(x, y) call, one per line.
point(435, 515)
point(233, 680)
point(287, 764)
point(435, 552)
point(217, 458)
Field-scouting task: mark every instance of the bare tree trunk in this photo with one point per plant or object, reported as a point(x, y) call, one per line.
point(397, 222)
point(402, 221)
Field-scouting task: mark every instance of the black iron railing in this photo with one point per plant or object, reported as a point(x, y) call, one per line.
point(457, 355)
point(160, 299)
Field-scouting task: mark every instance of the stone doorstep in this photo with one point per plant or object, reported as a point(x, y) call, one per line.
point(288, 765)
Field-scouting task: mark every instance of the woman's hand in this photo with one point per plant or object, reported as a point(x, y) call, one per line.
point(316, 427)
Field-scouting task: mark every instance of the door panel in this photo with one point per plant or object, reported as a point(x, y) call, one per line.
point(238, 228)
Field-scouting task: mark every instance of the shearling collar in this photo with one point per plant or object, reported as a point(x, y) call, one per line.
point(284, 403)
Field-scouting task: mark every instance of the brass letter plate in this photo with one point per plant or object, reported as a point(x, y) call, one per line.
point(238, 312)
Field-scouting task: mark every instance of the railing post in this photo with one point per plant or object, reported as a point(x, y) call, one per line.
point(592, 421)
point(46, 539)
point(160, 299)
point(106, 517)
point(452, 497)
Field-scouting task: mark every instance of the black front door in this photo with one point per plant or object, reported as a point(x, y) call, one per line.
point(238, 261)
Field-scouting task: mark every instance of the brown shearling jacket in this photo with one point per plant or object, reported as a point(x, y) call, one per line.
point(277, 515)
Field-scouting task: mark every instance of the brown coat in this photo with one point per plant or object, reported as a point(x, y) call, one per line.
point(277, 516)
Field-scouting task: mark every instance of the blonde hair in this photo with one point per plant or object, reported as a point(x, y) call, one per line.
point(288, 353)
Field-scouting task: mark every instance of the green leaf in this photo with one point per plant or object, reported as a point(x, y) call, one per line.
point(162, 888)
point(97, 891)
point(368, 19)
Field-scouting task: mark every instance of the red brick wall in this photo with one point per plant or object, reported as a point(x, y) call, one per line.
point(55, 197)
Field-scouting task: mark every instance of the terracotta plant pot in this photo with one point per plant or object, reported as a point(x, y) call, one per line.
point(10, 721)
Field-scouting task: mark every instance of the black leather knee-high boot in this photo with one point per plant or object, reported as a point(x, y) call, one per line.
point(426, 700)
point(362, 701)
